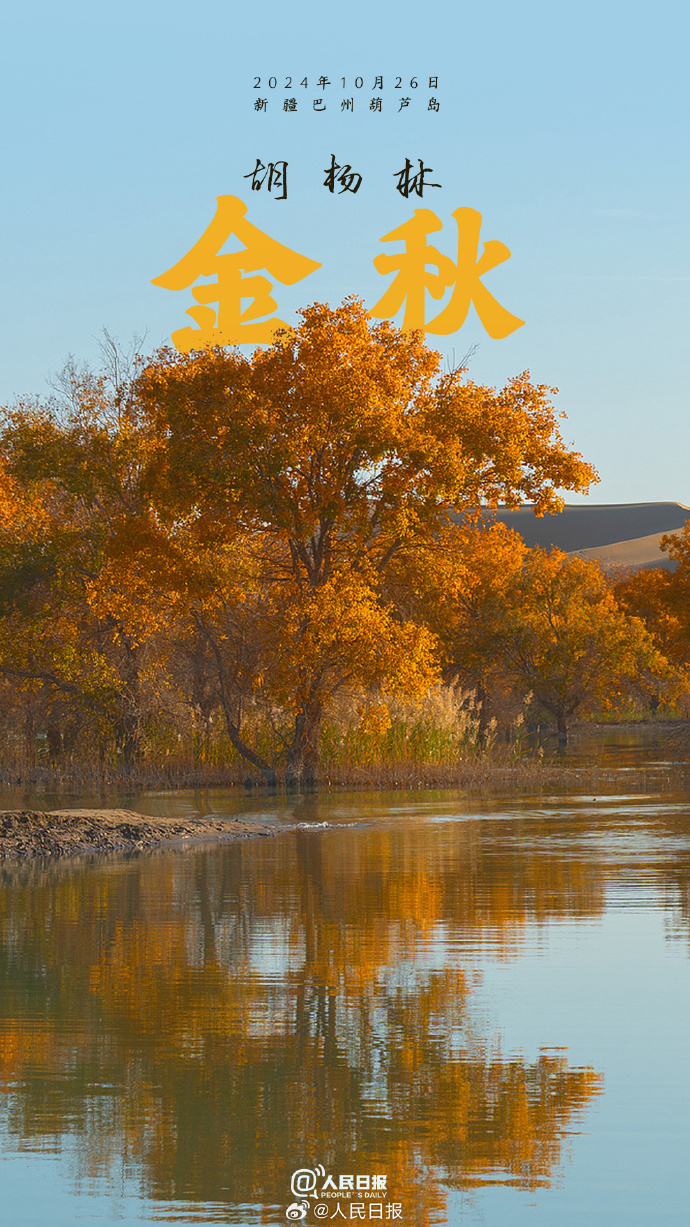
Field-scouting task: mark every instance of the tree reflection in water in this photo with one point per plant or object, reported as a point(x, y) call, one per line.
point(213, 1019)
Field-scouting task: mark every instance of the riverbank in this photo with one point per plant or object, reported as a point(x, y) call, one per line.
point(32, 833)
point(592, 748)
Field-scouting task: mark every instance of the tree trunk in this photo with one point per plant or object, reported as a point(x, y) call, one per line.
point(29, 738)
point(481, 699)
point(302, 763)
point(55, 742)
point(128, 740)
point(247, 753)
point(128, 735)
point(562, 728)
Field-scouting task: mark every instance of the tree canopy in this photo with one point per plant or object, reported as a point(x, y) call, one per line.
point(258, 535)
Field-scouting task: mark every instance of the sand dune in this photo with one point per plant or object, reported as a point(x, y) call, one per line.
point(639, 552)
point(616, 534)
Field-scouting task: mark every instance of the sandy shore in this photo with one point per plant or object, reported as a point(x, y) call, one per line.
point(63, 832)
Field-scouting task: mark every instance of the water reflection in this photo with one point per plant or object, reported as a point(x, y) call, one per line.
point(203, 1022)
point(213, 1019)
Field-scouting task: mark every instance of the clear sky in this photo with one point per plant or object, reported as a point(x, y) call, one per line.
point(565, 127)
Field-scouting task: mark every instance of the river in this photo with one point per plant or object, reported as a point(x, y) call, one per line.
point(437, 1009)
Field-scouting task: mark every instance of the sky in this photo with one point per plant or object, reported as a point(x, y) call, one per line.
point(565, 127)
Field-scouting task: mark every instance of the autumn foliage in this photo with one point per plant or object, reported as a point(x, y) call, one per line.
point(255, 539)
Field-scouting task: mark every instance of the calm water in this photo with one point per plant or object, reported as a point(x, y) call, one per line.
point(489, 1006)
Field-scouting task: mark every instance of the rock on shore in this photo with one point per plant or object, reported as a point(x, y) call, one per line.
point(63, 832)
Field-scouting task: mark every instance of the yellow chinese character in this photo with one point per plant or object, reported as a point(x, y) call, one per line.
point(465, 275)
point(413, 280)
point(230, 325)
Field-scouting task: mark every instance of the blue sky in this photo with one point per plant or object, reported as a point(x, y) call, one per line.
point(566, 128)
